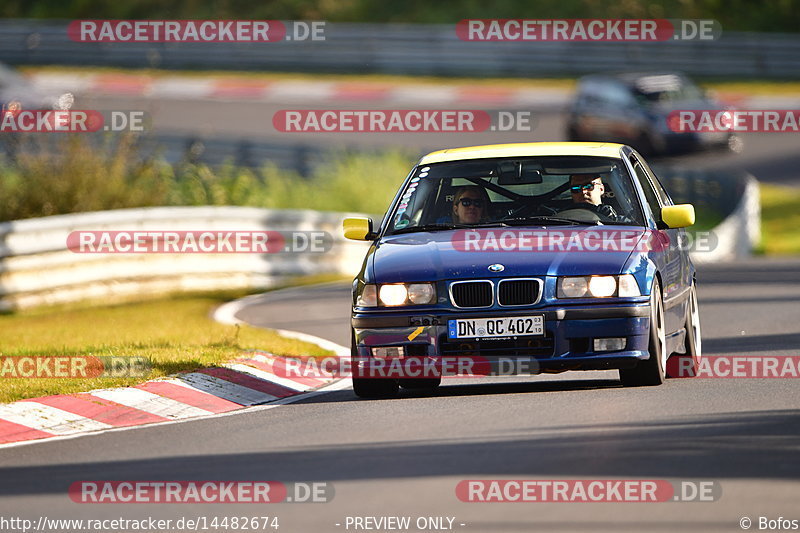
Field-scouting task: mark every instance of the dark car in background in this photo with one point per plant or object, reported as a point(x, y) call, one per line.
point(635, 109)
point(17, 93)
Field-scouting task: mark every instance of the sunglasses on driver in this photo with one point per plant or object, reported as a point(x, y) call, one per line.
point(466, 202)
point(584, 187)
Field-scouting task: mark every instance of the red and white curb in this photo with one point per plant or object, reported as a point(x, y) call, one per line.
point(294, 91)
point(316, 91)
point(245, 382)
point(248, 382)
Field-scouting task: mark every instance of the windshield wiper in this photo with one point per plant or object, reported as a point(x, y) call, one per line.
point(521, 221)
point(428, 227)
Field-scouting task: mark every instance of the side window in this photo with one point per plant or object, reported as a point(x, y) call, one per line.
point(662, 194)
point(660, 191)
point(649, 193)
point(619, 95)
point(603, 93)
point(587, 93)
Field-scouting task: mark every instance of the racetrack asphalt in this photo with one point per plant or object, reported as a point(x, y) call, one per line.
point(404, 457)
point(770, 157)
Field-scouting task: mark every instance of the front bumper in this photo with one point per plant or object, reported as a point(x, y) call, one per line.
point(567, 343)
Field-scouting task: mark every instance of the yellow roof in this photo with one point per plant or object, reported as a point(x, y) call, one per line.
point(523, 150)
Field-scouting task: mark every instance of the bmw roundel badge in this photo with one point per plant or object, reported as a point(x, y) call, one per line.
point(497, 267)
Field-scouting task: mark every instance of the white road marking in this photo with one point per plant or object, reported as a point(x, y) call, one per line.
point(180, 88)
point(50, 419)
point(222, 389)
point(325, 344)
point(261, 374)
point(149, 402)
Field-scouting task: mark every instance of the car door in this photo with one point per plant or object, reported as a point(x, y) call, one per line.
point(671, 267)
point(686, 267)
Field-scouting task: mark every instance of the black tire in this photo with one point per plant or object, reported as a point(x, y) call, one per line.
point(375, 388)
point(370, 387)
point(687, 364)
point(651, 371)
point(420, 383)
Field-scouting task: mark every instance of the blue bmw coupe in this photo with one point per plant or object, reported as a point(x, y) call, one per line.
point(525, 259)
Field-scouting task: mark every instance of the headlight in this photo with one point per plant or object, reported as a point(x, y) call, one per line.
point(392, 295)
point(602, 286)
point(421, 293)
point(572, 287)
point(397, 294)
point(597, 286)
point(12, 108)
point(64, 102)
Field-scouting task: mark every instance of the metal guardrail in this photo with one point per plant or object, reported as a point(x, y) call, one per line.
point(216, 151)
point(37, 268)
point(417, 49)
point(242, 152)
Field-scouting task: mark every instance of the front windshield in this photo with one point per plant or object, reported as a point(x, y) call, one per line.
point(517, 191)
point(666, 89)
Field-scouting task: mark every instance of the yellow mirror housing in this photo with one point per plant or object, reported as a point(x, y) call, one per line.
point(678, 216)
point(358, 228)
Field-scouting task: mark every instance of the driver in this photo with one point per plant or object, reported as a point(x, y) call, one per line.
point(587, 191)
point(470, 205)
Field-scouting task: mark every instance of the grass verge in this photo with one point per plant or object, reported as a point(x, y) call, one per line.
point(74, 175)
point(780, 220)
point(706, 219)
point(176, 334)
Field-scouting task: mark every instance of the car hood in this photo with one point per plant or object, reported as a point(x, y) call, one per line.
point(430, 256)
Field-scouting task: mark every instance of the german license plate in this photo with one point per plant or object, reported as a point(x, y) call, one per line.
point(514, 326)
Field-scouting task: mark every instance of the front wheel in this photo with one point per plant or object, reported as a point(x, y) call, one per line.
point(370, 387)
point(650, 371)
point(375, 387)
point(687, 365)
point(420, 383)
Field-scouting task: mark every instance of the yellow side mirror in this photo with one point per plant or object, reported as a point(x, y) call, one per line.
point(358, 228)
point(678, 216)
